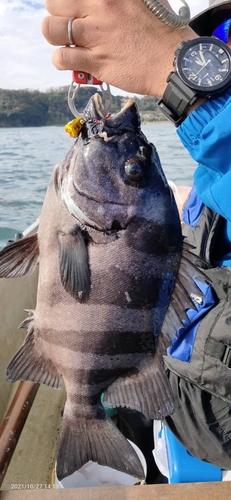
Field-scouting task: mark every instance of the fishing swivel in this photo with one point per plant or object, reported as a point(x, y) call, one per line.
point(82, 78)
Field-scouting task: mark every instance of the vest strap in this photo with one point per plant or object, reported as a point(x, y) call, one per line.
point(219, 350)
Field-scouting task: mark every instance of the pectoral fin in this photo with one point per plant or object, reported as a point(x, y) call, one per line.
point(74, 264)
point(19, 258)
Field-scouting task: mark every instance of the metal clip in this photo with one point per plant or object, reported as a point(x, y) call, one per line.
point(82, 78)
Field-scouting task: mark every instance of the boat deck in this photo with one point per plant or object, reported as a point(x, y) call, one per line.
point(33, 459)
point(34, 456)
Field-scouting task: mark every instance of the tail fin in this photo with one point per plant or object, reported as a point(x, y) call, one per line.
point(98, 440)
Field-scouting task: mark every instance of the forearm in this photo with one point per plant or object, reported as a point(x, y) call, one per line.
point(161, 61)
point(206, 135)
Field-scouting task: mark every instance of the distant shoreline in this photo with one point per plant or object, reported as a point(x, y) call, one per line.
point(27, 108)
point(154, 122)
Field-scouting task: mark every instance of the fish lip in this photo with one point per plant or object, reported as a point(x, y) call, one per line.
point(98, 103)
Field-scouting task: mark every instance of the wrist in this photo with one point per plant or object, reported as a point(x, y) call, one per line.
point(202, 71)
point(164, 57)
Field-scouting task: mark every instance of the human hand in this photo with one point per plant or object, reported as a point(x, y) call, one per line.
point(181, 194)
point(119, 42)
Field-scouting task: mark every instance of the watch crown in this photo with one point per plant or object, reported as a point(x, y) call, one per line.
point(179, 48)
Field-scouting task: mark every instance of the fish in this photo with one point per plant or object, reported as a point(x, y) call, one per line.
point(115, 279)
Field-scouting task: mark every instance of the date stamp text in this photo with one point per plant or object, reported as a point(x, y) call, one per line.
point(31, 486)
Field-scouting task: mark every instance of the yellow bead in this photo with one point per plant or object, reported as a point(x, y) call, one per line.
point(74, 127)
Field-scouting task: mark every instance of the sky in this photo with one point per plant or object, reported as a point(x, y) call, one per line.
point(25, 56)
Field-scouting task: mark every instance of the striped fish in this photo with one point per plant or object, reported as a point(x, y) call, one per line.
point(110, 256)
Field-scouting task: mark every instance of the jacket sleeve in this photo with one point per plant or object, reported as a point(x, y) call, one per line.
point(206, 133)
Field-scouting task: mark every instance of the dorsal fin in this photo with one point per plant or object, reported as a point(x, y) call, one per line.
point(185, 288)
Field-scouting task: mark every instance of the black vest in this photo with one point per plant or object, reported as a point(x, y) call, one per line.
point(210, 364)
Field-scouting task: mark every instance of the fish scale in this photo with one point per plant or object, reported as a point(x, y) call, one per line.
point(114, 283)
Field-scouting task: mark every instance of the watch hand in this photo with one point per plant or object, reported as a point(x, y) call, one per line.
point(201, 61)
point(203, 67)
point(202, 56)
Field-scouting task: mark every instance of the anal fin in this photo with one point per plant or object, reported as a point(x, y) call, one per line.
point(31, 363)
point(147, 390)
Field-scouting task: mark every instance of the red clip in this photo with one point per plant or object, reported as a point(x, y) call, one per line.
point(85, 78)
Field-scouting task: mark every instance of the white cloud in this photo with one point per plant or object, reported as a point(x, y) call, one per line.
point(24, 53)
point(196, 6)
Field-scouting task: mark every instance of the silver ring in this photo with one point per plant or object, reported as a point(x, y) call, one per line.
point(69, 31)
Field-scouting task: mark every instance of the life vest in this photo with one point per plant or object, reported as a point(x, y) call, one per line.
point(208, 360)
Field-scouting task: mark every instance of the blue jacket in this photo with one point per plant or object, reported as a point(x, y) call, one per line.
point(206, 133)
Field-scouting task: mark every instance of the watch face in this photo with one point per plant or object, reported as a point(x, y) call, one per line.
point(204, 64)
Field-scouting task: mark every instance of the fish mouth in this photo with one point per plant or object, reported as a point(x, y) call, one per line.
point(101, 111)
point(127, 119)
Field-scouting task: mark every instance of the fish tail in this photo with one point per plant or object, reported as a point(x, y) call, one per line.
point(95, 438)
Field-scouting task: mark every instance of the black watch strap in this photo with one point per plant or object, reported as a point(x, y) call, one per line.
point(176, 99)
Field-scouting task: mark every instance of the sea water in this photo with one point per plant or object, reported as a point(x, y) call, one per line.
point(29, 155)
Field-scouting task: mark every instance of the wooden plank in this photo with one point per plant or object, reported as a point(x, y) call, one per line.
point(186, 491)
point(35, 453)
point(15, 295)
point(13, 423)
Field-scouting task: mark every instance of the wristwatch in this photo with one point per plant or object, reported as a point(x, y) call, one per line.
point(202, 70)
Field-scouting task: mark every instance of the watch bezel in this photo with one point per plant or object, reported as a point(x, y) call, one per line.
point(205, 90)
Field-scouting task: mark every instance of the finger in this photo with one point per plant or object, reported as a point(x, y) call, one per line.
point(74, 59)
point(55, 30)
point(60, 8)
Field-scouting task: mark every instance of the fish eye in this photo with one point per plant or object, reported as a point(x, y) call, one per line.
point(134, 171)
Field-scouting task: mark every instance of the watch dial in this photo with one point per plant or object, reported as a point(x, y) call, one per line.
point(205, 65)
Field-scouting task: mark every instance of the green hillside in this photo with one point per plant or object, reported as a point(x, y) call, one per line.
point(32, 108)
